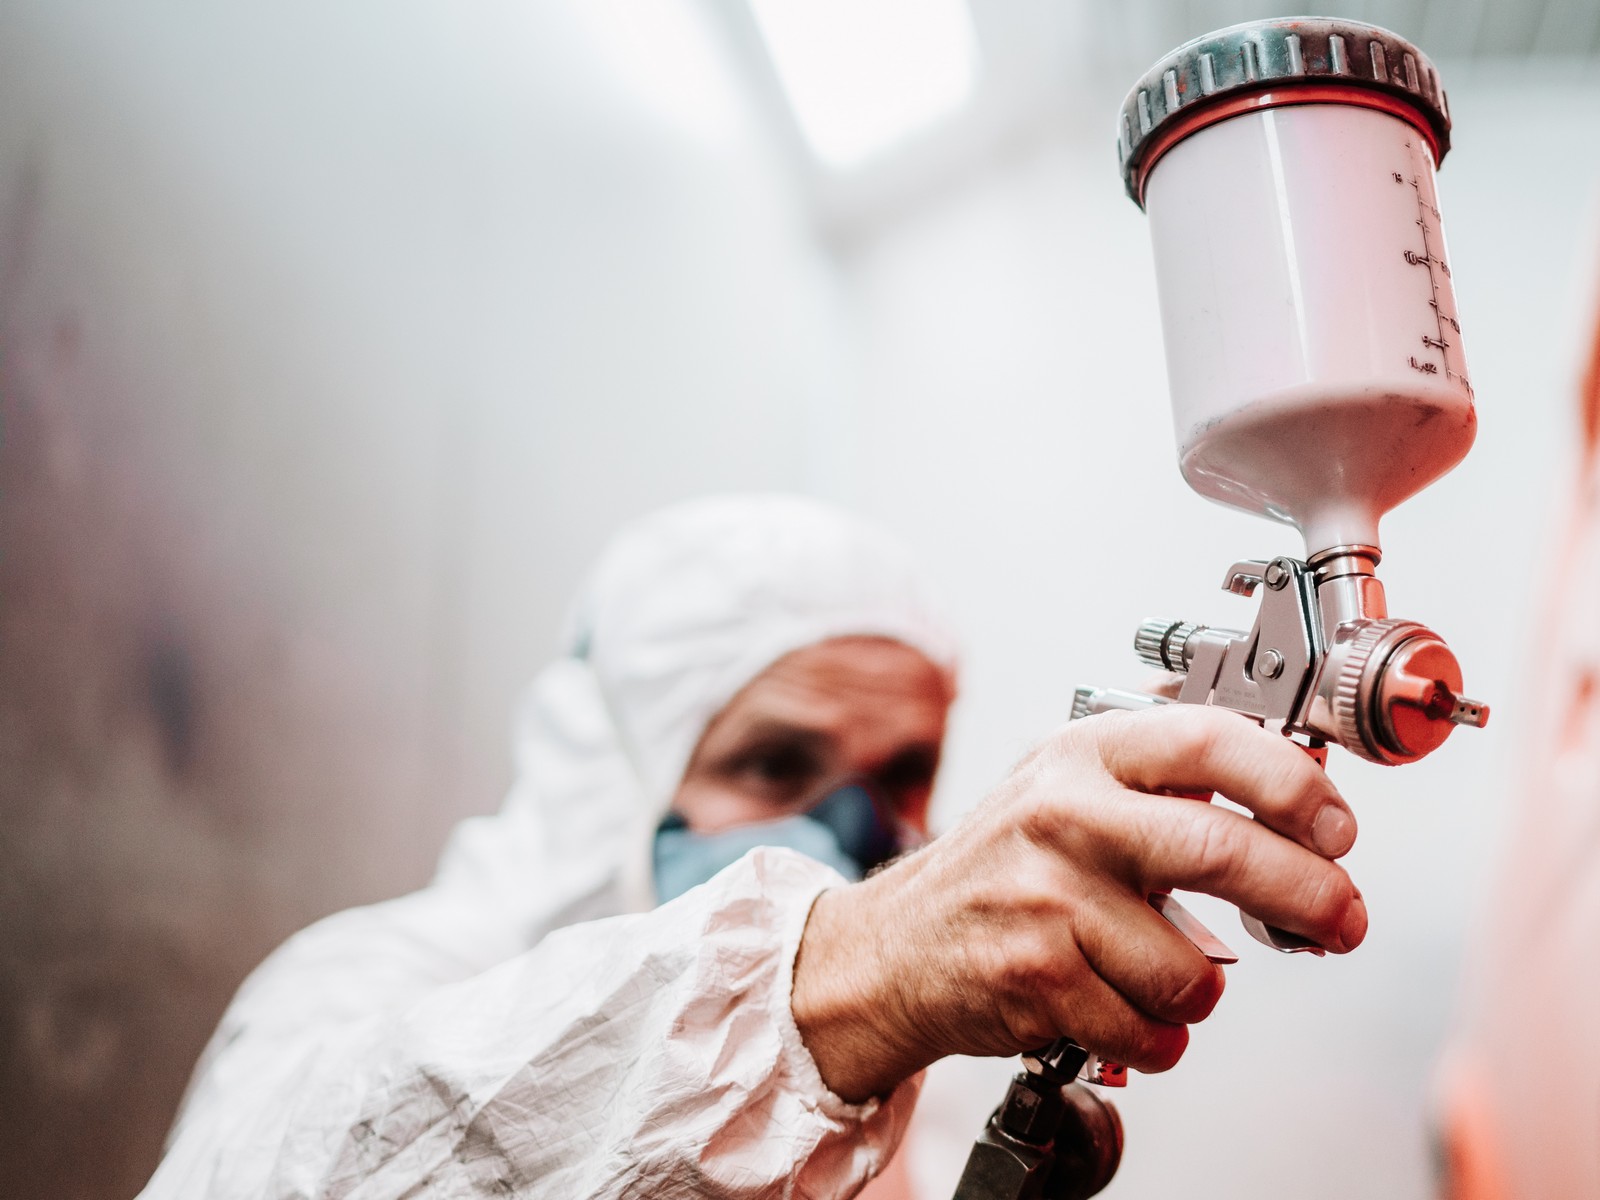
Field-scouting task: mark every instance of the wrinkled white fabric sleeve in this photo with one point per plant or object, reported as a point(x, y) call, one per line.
point(644, 1055)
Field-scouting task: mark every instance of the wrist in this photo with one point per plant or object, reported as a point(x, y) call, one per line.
point(847, 999)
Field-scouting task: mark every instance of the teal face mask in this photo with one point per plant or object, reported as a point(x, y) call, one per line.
point(842, 831)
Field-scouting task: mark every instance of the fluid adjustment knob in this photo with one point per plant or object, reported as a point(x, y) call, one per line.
point(1396, 692)
point(1161, 643)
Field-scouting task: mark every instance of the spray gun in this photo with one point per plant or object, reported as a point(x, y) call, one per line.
point(1317, 378)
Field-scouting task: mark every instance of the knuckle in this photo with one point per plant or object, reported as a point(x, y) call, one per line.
point(1113, 737)
point(1112, 724)
point(1062, 816)
point(1026, 1026)
point(1214, 844)
point(1303, 784)
point(1029, 966)
point(1032, 962)
point(1038, 817)
point(1194, 733)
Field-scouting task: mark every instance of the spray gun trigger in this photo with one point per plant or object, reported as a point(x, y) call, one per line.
point(1186, 923)
point(1279, 939)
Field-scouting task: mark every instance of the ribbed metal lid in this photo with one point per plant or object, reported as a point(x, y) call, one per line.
point(1271, 55)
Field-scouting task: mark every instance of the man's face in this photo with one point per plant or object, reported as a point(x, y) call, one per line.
point(859, 709)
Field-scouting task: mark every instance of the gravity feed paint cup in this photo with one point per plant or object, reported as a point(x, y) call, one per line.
point(1313, 348)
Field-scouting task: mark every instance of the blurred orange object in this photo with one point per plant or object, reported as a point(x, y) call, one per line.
point(1520, 1087)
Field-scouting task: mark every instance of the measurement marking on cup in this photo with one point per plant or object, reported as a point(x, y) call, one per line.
point(1428, 260)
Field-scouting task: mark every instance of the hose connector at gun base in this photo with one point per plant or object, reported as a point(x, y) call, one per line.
point(1046, 1141)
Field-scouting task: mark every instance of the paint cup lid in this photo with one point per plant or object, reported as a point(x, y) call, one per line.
point(1285, 60)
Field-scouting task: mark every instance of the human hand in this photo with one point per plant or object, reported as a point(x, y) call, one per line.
point(1030, 919)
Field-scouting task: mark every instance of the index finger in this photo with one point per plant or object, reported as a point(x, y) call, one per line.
point(1165, 843)
point(1199, 748)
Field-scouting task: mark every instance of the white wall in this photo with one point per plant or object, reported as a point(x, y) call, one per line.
point(1013, 422)
point(333, 340)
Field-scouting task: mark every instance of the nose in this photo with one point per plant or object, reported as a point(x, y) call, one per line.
point(851, 813)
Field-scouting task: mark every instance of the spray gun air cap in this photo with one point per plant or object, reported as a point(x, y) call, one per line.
point(1265, 64)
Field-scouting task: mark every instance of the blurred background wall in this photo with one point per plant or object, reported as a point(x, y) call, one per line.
point(335, 337)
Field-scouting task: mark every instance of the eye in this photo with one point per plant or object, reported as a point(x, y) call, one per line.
point(910, 771)
point(780, 770)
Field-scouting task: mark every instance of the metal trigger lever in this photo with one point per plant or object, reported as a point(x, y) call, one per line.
point(1271, 936)
point(1214, 948)
point(1282, 940)
point(1186, 923)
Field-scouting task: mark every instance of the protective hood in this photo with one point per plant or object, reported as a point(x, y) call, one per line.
point(684, 608)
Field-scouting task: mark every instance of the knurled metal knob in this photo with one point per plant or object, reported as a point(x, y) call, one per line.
point(1082, 699)
point(1285, 60)
point(1160, 643)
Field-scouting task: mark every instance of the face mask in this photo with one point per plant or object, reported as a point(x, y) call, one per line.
point(842, 831)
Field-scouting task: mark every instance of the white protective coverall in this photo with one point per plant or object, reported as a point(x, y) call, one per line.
point(529, 1024)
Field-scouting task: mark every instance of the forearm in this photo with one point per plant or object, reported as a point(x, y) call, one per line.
point(644, 1055)
point(856, 1021)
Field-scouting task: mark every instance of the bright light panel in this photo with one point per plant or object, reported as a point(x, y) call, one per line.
point(862, 74)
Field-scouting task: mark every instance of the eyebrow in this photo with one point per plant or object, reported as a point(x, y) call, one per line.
point(767, 730)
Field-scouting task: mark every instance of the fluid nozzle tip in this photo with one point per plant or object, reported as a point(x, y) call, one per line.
point(1469, 712)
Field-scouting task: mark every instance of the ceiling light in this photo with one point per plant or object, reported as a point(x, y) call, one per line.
point(863, 74)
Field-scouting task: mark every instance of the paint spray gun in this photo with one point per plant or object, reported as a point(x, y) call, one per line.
point(1317, 378)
